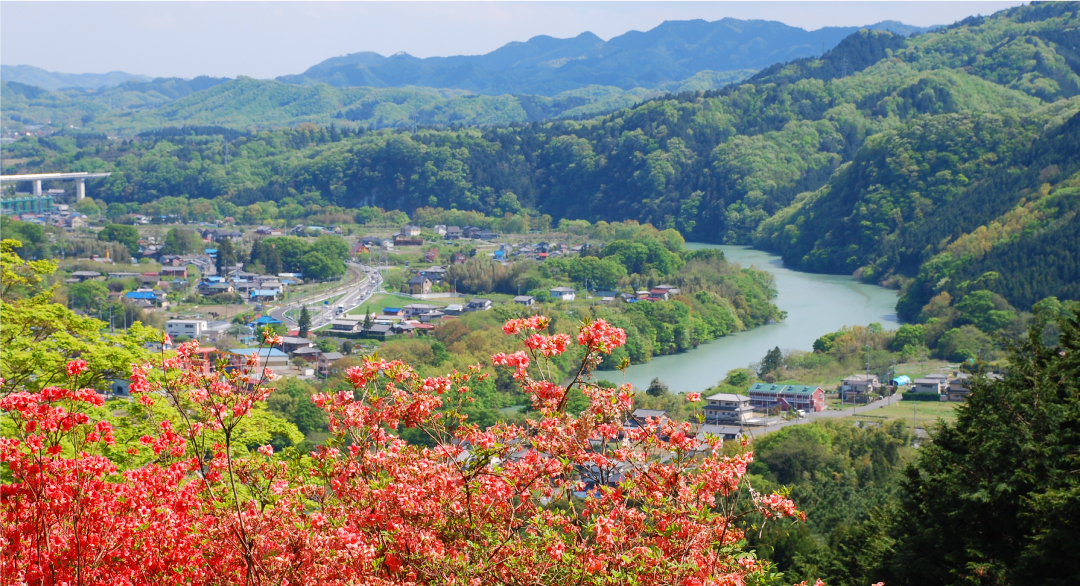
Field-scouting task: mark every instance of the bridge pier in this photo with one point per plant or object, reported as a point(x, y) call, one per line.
point(80, 190)
point(37, 187)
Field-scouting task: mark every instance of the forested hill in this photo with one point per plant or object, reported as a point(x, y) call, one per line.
point(671, 52)
point(942, 156)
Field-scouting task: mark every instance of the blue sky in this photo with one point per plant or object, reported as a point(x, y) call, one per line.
point(267, 39)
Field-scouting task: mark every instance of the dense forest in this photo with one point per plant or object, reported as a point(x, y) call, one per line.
point(928, 161)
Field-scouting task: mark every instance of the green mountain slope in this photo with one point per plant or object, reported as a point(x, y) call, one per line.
point(247, 103)
point(843, 164)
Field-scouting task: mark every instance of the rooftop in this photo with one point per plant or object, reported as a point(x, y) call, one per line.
point(727, 397)
point(784, 389)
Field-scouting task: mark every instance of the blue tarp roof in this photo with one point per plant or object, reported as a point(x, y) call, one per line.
point(264, 292)
point(140, 295)
point(902, 380)
point(266, 319)
point(391, 309)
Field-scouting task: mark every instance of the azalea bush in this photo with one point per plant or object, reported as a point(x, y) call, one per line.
point(565, 498)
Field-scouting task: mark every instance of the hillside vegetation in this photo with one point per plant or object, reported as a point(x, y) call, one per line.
point(937, 159)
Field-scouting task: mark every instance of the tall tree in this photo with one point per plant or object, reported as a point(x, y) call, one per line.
point(995, 497)
point(369, 320)
point(772, 361)
point(304, 323)
point(226, 255)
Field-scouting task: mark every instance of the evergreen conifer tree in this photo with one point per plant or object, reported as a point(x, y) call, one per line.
point(304, 323)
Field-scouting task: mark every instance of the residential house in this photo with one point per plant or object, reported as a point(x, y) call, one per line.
point(454, 309)
point(85, 275)
point(265, 320)
point(858, 387)
point(562, 293)
point(472, 232)
point(419, 285)
point(409, 231)
point(308, 353)
point(457, 258)
point(264, 295)
point(641, 416)
point(271, 358)
point(435, 273)
point(148, 297)
point(440, 229)
point(414, 309)
point(959, 387)
point(377, 331)
point(928, 385)
point(393, 312)
point(478, 304)
point(728, 408)
point(208, 288)
point(769, 396)
point(192, 328)
point(122, 275)
point(290, 344)
point(487, 235)
point(180, 272)
point(326, 362)
point(428, 316)
point(658, 295)
point(526, 300)
point(671, 291)
point(724, 432)
point(346, 326)
point(453, 232)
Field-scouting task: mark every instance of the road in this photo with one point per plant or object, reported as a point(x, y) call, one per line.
point(365, 281)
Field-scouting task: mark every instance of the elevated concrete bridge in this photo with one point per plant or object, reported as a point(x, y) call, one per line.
point(37, 178)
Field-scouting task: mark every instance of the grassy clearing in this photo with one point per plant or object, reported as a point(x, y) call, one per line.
point(925, 412)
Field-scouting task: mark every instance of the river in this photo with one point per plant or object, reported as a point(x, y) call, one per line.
point(815, 305)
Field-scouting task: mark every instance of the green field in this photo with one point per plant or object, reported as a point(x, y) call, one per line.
point(923, 411)
point(381, 300)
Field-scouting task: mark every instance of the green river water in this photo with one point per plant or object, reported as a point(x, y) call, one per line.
point(815, 305)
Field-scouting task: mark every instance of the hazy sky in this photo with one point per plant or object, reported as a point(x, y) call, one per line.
point(267, 39)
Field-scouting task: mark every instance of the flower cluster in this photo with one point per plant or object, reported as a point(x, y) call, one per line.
point(562, 497)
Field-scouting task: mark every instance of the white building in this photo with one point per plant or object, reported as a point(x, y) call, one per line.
point(562, 293)
point(192, 328)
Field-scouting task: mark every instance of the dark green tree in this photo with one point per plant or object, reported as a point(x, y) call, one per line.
point(347, 347)
point(126, 235)
point(304, 322)
point(995, 498)
point(226, 255)
point(657, 388)
point(369, 320)
point(773, 360)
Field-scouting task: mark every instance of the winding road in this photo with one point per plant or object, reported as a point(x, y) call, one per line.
point(363, 282)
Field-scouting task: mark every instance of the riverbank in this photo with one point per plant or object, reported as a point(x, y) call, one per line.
point(815, 305)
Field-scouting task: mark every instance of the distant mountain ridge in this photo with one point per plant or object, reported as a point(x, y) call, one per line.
point(51, 80)
point(544, 65)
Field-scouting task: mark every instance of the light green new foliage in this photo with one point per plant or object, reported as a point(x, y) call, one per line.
point(38, 337)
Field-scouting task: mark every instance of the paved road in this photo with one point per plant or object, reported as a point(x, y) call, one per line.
point(364, 282)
